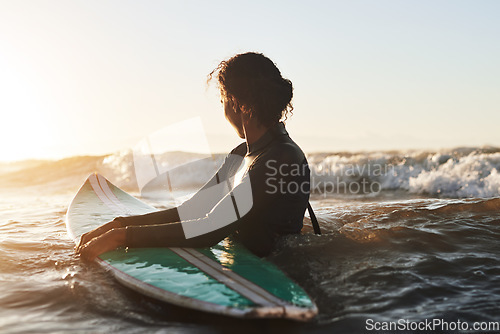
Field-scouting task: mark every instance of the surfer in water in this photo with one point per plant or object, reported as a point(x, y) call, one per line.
point(260, 192)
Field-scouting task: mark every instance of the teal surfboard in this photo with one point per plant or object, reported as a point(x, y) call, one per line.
point(225, 279)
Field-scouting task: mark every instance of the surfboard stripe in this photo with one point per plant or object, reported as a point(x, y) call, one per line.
point(221, 276)
point(107, 191)
point(102, 196)
point(255, 289)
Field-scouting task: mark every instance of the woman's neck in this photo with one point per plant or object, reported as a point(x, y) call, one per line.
point(253, 131)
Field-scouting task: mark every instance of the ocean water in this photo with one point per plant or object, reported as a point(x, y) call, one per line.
point(407, 236)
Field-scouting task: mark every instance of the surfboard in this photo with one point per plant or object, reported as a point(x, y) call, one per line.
point(225, 279)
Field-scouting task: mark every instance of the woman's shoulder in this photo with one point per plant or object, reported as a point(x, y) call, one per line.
point(240, 150)
point(286, 151)
point(280, 154)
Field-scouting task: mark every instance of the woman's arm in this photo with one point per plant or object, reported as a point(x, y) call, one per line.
point(222, 220)
point(161, 235)
point(158, 217)
point(194, 208)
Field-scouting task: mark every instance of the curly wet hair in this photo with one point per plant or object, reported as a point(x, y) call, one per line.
point(254, 82)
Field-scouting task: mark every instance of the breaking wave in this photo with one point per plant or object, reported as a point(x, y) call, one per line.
point(457, 173)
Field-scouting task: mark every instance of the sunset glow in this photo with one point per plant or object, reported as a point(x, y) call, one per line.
point(85, 77)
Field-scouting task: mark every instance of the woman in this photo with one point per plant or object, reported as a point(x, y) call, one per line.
point(259, 193)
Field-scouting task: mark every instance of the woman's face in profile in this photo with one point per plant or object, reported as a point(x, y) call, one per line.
point(233, 115)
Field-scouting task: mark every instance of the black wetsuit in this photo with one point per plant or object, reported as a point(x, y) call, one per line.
point(277, 172)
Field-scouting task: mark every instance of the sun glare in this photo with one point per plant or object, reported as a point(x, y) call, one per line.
point(24, 132)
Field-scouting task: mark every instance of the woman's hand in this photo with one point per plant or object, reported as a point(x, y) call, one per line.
point(102, 244)
point(86, 237)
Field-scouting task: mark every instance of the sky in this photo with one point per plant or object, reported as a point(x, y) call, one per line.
point(94, 77)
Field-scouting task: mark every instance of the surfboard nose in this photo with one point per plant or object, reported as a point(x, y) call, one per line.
point(94, 174)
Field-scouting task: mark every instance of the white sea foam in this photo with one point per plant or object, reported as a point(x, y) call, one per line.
point(463, 172)
point(474, 175)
